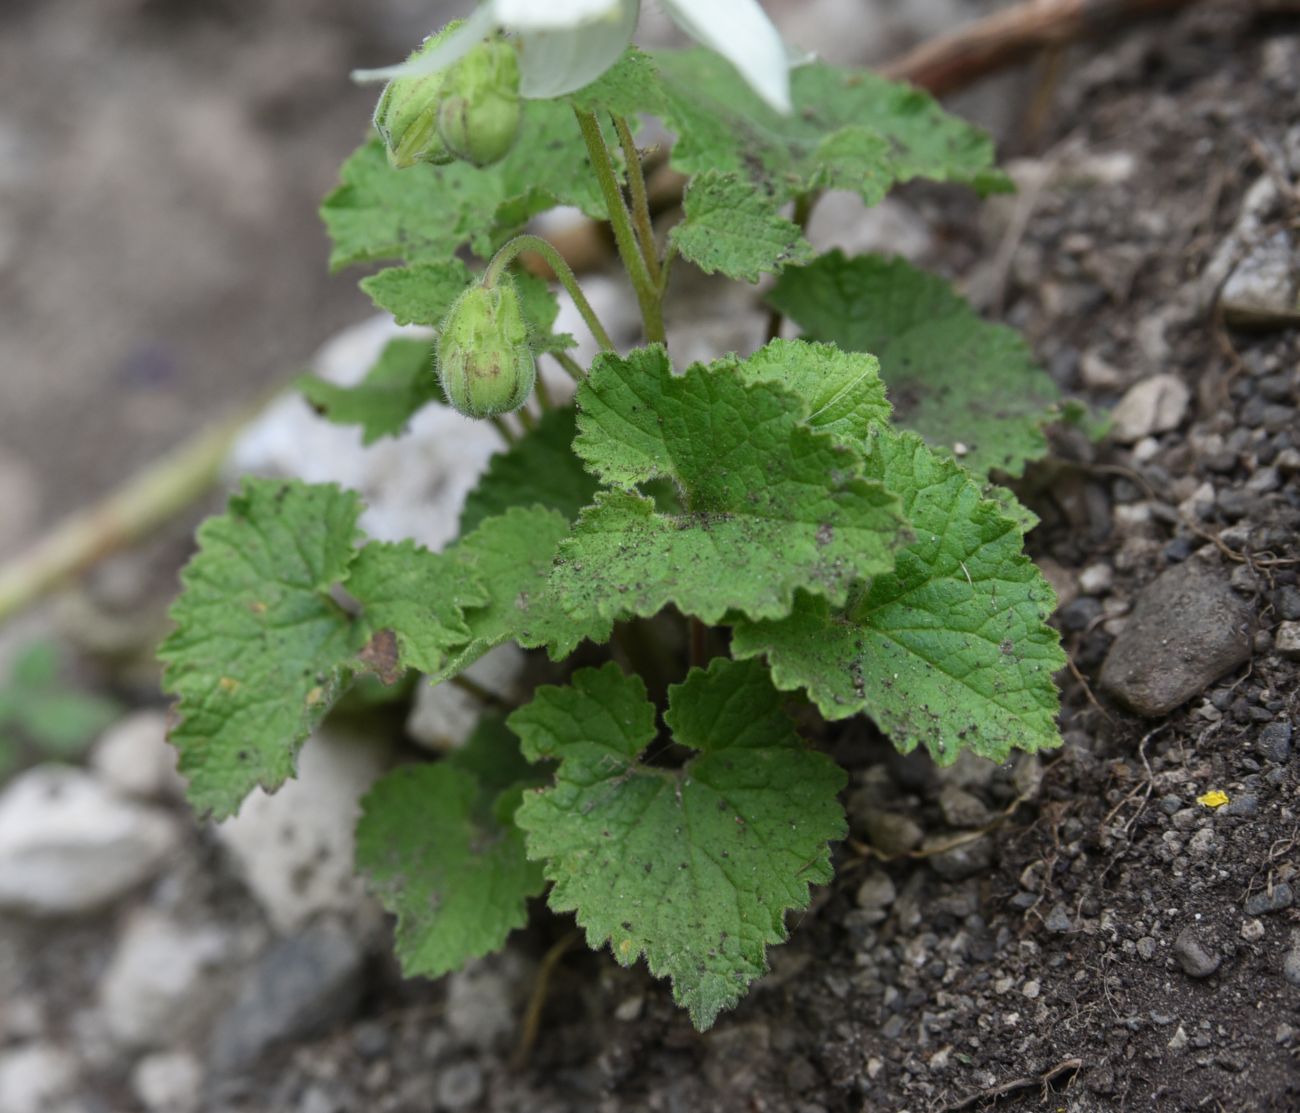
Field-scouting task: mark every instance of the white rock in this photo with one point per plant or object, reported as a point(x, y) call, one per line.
point(35, 1077)
point(1287, 640)
point(444, 716)
point(1263, 290)
point(294, 848)
point(68, 845)
point(481, 1011)
point(891, 227)
point(1154, 405)
point(153, 994)
point(413, 485)
point(168, 1082)
point(135, 758)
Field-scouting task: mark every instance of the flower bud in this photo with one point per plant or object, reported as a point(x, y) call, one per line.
point(406, 116)
point(480, 112)
point(484, 360)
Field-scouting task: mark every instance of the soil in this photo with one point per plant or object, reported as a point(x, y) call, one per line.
point(1076, 936)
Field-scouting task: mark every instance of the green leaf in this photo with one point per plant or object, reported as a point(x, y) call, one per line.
point(447, 864)
point(849, 130)
point(401, 383)
point(36, 666)
point(256, 657)
point(952, 648)
point(511, 556)
point(770, 504)
point(416, 596)
point(953, 377)
point(540, 308)
point(842, 391)
point(629, 88)
point(734, 228)
point(420, 294)
point(65, 723)
point(425, 213)
point(540, 469)
point(694, 867)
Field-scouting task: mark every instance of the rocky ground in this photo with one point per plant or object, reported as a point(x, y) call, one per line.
point(1094, 929)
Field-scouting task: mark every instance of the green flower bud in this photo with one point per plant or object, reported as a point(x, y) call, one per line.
point(406, 116)
point(484, 360)
point(481, 108)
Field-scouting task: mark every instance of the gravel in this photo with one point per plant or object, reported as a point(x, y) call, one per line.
point(1196, 959)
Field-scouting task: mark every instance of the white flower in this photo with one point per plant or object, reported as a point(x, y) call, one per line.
point(566, 44)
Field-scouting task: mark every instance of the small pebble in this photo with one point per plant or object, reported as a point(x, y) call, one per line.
point(1252, 931)
point(1193, 956)
point(1291, 967)
point(1058, 920)
point(1276, 899)
point(1274, 743)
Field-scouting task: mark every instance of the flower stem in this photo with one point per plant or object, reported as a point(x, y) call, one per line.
point(544, 400)
point(571, 365)
point(803, 207)
point(647, 293)
point(511, 250)
point(645, 231)
point(502, 427)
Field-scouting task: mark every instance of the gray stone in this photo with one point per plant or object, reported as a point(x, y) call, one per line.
point(168, 1082)
point(480, 1006)
point(961, 861)
point(1274, 743)
point(1277, 899)
point(460, 1086)
point(1193, 956)
point(1244, 806)
point(1059, 920)
point(35, 1077)
point(1262, 290)
point(159, 985)
point(1187, 629)
point(1146, 948)
point(891, 833)
point(875, 895)
point(1154, 405)
point(1287, 640)
point(300, 987)
point(69, 846)
point(1291, 967)
point(961, 809)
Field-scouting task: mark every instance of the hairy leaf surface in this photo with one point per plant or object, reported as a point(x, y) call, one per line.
point(441, 851)
point(425, 213)
point(952, 376)
point(769, 504)
point(262, 646)
point(732, 228)
point(256, 657)
point(950, 650)
point(693, 867)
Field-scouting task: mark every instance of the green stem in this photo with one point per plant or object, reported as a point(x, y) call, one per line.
point(507, 434)
point(645, 231)
point(510, 251)
point(571, 365)
point(803, 207)
point(544, 400)
point(647, 293)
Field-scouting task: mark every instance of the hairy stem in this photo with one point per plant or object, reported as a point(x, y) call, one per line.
point(645, 232)
point(510, 251)
point(544, 400)
point(502, 426)
point(803, 208)
point(647, 292)
point(571, 365)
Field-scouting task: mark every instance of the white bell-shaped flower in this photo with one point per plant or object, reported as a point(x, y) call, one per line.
point(566, 44)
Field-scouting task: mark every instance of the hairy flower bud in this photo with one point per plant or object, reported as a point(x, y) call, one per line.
point(480, 111)
point(484, 360)
point(406, 116)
